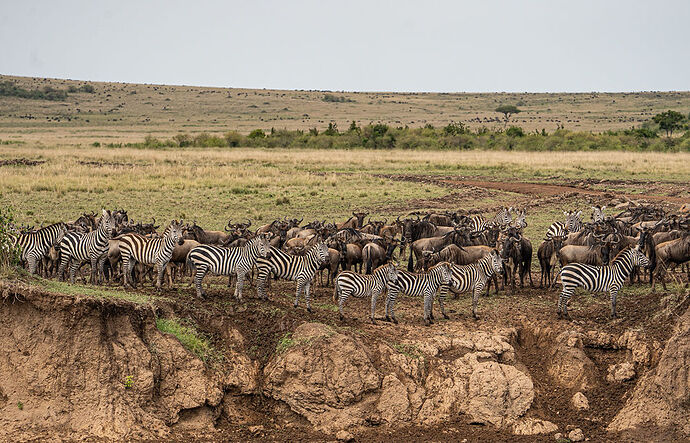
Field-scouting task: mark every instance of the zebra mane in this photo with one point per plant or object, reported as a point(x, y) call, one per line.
point(619, 256)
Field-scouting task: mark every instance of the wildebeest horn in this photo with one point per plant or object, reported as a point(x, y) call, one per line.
point(249, 222)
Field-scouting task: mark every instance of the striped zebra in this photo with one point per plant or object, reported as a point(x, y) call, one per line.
point(136, 248)
point(598, 213)
point(520, 220)
point(350, 283)
point(599, 278)
point(471, 277)
point(478, 223)
point(573, 223)
point(424, 284)
point(34, 245)
point(93, 247)
point(299, 268)
point(227, 261)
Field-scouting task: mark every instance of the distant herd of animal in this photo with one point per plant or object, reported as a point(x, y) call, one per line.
point(450, 251)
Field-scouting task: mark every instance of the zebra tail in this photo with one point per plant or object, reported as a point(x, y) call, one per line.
point(555, 277)
point(335, 292)
point(190, 264)
point(410, 263)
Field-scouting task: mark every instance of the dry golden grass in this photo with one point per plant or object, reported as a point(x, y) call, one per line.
point(120, 112)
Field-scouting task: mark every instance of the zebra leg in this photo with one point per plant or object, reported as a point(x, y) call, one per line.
point(298, 291)
point(392, 293)
point(31, 263)
point(201, 271)
point(61, 269)
point(307, 295)
point(262, 276)
point(374, 297)
point(614, 294)
point(73, 270)
point(442, 300)
point(161, 273)
point(127, 268)
point(239, 285)
point(428, 302)
point(563, 303)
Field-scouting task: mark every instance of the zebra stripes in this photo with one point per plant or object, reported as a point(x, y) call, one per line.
point(471, 277)
point(136, 248)
point(35, 245)
point(226, 261)
point(599, 278)
point(350, 283)
point(93, 247)
point(573, 223)
point(598, 213)
point(478, 223)
point(300, 268)
point(424, 284)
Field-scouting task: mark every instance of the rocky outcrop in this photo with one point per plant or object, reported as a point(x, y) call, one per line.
point(662, 396)
point(89, 368)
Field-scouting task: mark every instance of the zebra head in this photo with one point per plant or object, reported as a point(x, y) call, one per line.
point(444, 272)
point(322, 252)
point(175, 232)
point(573, 220)
point(61, 231)
point(392, 273)
point(521, 220)
point(504, 216)
point(495, 262)
point(638, 258)
point(598, 213)
point(261, 242)
point(108, 223)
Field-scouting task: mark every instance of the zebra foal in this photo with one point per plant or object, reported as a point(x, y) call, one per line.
point(349, 283)
point(34, 245)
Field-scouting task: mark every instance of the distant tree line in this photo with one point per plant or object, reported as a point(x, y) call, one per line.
point(10, 89)
point(454, 136)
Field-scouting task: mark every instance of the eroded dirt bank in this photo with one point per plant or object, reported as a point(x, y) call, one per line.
point(516, 374)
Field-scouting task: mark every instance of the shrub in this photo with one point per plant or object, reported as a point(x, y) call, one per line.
point(9, 252)
point(515, 131)
point(257, 133)
point(205, 140)
point(234, 139)
point(336, 99)
point(183, 140)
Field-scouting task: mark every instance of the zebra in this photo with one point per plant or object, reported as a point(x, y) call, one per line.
point(92, 246)
point(573, 223)
point(149, 251)
point(226, 261)
point(478, 223)
point(424, 284)
point(471, 277)
point(349, 283)
point(598, 213)
point(300, 268)
point(34, 245)
point(520, 220)
point(599, 278)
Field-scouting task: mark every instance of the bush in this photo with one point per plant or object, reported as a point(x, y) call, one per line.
point(257, 133)
point(234, 139)
point(9, 252)
point(515, 131)
point(205, 140)
point(336, 99)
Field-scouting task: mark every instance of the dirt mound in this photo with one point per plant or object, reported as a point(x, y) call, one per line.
point(662, 397)
point(21, 162)
point(86, 368)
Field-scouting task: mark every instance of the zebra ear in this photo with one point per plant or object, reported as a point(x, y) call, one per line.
point(579, 214)
point(602, 208)
point(565, 213)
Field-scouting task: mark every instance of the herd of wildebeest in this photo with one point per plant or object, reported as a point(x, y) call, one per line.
point(448, 251)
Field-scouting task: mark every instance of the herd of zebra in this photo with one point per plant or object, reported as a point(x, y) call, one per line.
point(450, 251)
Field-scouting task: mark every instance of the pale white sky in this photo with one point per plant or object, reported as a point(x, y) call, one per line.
point(488, 45)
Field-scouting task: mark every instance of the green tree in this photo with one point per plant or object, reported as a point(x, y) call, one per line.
point(669, 121)
point(507, 111)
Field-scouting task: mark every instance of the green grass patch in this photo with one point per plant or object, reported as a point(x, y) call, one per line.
point(92, 291)
point(408, 350)
point(189, 337)
point(284, 343)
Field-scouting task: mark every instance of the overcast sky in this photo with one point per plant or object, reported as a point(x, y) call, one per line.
point(539, 46)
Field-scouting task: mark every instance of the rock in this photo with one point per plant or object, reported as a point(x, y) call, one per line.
point(661, 396)
point(343, 435)
point(621, 372)
point(393, 404)
point(256, 430)
point(557, 436)
point(325, 377)
point(570, 367)
point(580, 402)
point(488, 391)
point(533, 426)
point(576, 435)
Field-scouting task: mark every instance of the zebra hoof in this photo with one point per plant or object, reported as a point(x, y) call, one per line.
point(373, 322)
point(342, 317)
point(387, 318)
point(446, 316)
point(394, 320)
point(309, 309)
point(295, 305)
